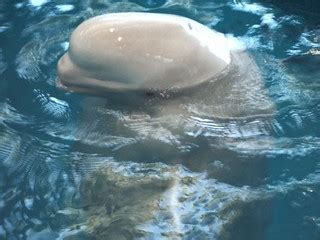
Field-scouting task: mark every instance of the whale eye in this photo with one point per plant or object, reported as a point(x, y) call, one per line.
point(190, 26)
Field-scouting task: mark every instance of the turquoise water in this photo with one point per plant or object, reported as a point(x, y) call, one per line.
point(77, 167)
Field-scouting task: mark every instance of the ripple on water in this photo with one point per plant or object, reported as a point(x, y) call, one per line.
point(35, 59)
point(52, 106)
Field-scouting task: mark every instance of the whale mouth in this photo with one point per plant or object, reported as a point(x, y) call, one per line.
point(67, 87)
point(72, 78)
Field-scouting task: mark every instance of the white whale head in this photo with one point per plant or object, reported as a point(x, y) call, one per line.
point(141, 52)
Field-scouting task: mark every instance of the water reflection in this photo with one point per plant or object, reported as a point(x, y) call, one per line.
point(71, 171)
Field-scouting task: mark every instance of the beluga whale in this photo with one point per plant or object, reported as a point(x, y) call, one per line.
point(160, 87)
point(153, 54)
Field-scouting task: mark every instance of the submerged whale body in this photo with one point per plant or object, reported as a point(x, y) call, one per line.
point(141, 52)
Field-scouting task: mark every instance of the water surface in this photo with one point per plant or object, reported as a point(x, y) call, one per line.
point(73, 170)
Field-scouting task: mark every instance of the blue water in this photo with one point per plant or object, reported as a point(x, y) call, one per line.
point(76, 167)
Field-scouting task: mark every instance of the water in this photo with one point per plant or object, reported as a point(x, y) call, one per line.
point(74, 167)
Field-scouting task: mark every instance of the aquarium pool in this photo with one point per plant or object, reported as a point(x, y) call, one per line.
point(78, 167)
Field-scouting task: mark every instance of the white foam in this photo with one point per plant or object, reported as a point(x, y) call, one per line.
point(65, 7)
point(3, 28)
point(268, 19)
point(254, 8)
point(28, 202)
point(37, 3)
point(65, 45)
point(19, 5)
point(305, 41)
